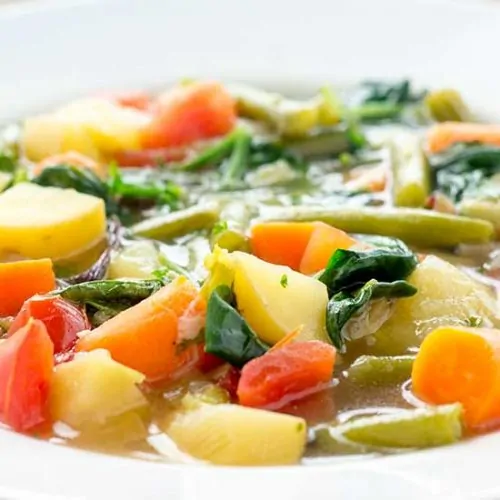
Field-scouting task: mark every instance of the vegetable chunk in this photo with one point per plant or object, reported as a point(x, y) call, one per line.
point(92, 388)
point(226, 434)
point(37, 222)
point(274, 306)
point(21, 280)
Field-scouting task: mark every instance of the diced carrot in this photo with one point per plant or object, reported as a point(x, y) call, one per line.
point(280, 376)
point(22, 279)
point(322, 244)
point(135, 99)
point(149, 157)
point(373, 179)
point(145, 337)
point(186, 114)
point(443, 135)
point(461, 365)
point(281, 243)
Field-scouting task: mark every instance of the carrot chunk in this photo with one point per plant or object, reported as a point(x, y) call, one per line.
point(148, 337)
point(444, 135)
point(461, 365)
point(21, 280)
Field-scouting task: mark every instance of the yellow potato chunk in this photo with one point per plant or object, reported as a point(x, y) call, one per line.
point(275, 300)
point(94, 127)
point(446, 296)
point(93, 389)
point(228, 434)
point(38, 222)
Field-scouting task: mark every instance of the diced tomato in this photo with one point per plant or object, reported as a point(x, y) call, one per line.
point(136, 99)
point(26, 363)
point(62, 319)
point(149, 157)
point(190, 113)
point(285, 374)
point(209, 362)
point(229, 381)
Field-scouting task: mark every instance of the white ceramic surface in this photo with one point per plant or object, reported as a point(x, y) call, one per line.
point(55, 50)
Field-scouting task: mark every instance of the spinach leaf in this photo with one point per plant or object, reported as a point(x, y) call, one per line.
point(115, 192)
point(124, 291)
point(463, 170)
point(236, 165)
point(8, 163)
point(82, 180)
point(345, 305)
point(349, 269)
point(399, 92)
point(227, 334)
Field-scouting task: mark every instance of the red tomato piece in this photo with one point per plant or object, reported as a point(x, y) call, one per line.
point(229, 381)
point(135, 99)
point(285, 374)
point(26, 363)
point(149, 157)
point(209, 362)
point(62, 319)
point(183, 115)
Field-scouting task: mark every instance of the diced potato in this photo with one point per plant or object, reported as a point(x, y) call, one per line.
point(92, 389)
point(137, 260)
point(274, 305)
point(446, 296)
point(228, 434)
point(38, 222)
point(94, 127)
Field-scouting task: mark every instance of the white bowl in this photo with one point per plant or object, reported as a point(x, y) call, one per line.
point(52, 51)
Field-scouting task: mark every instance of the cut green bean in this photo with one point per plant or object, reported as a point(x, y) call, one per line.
point(383, 370)
point(178, 223)
point(410, 177)
point(230, 238)
point(425, 228)
point(419, 428)
point(376, 111)
point(328, 143)
point(447, 105)
point(212, 155)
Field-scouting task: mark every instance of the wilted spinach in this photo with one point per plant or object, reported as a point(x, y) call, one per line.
point(227, 334)
point(345, 305)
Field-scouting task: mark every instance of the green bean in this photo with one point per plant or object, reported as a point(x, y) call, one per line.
point(178, 223)
point(425, 228)
point(447, 105)
point(375, 111)
point(373, 370)
point(327, 442)
point(328, 143)
point(410, 177)
point(419, 428)
point(213, 154)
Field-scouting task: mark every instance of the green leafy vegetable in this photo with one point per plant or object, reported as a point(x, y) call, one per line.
point(399, 92)
point(348, 269)
point(227, 334)
point(345, 305)
point(237, 163)
point(284, 281)
point(8, 163)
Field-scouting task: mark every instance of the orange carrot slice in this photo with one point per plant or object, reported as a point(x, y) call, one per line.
point(281, 243)
point(148, 336)
point(460, 364)
point(186, 114)
point(322, 244)
point(444, 135)
point(21, 280)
